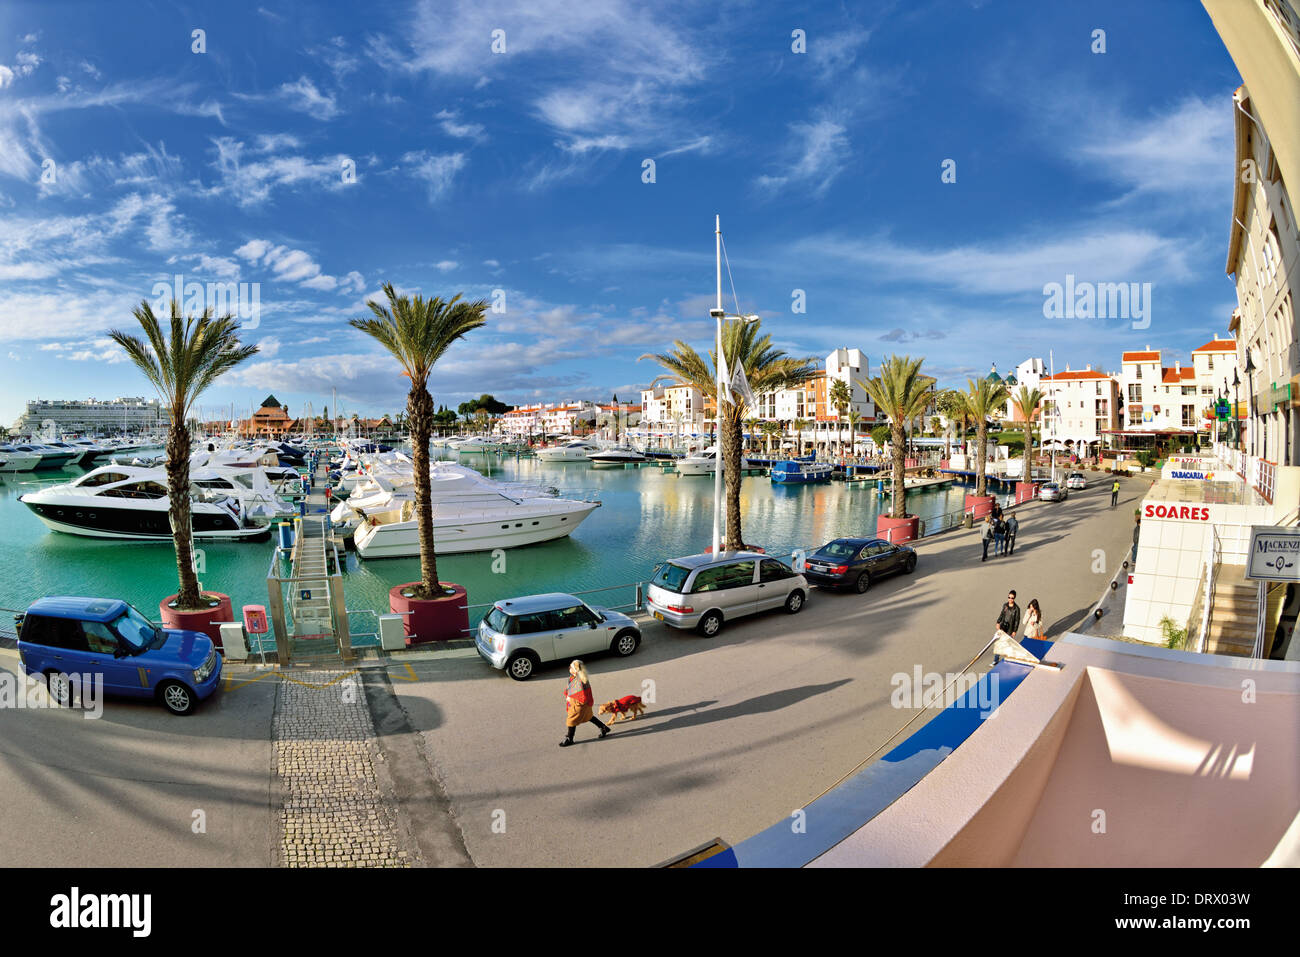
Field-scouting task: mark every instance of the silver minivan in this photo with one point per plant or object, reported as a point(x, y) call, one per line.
point(703, 591)
point(518, 634)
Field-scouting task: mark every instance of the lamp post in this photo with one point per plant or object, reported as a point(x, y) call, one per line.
point(1250, 390)
point(1236, 416)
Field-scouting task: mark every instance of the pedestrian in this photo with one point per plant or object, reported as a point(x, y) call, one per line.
point(986, 535)
point(999, 535)
point(1009, 616)
point(1137, 530)
point(1013, 526)
point(1033, 620)
point(1114, 493)
point(578, 702)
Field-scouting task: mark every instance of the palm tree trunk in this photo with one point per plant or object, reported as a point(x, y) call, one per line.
point(178, 491)
point(899, 491)
point(981, 456)
point(419, 408)
point(730, 466)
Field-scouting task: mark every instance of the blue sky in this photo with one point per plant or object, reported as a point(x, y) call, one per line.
point(127, 158)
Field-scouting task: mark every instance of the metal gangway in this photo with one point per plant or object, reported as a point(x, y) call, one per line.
point(316, 624)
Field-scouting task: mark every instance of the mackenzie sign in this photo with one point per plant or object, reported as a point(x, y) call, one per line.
point(1274, 554)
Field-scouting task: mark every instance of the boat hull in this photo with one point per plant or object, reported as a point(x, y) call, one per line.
point(132, 526)
point(402, 539)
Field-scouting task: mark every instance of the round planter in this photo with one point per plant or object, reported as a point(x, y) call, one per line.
point(980, 505)
point(205, 620)
point(897, 530)
point(431, 619)
point(1025, 491)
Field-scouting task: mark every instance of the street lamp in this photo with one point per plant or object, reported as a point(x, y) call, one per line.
point(1236, 416)
point(718, 313)
point(1250, 390)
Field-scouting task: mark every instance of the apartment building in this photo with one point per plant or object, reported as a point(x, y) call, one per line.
point(127, 414)
point(1082, 406)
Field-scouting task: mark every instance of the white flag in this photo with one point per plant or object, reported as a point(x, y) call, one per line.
point(740, 385)
point(724, 383)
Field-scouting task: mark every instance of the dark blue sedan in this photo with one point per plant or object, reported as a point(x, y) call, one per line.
point(857, 562)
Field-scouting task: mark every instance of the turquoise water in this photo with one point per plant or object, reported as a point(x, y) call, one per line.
point(647, 515)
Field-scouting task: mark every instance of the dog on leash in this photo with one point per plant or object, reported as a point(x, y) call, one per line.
point(620, 709)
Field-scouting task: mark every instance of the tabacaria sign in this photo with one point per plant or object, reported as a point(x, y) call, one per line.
point(1274, 554)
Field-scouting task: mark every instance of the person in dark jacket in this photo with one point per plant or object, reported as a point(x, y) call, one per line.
point(999, 535)
point(1013, 526)
point(1009, 617)
point(578, 703)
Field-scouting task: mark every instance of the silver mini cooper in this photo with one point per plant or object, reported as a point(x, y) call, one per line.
point(518, 634)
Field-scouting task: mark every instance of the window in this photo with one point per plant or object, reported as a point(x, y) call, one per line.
point(1137, 372)
point(532, 624)
point(1189, 390)
point(771, 570)
point(99, 639)
point(670, 577)
point(103, 478)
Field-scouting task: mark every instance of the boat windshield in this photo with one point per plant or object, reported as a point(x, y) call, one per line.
point(135, 630)
point(670, 576)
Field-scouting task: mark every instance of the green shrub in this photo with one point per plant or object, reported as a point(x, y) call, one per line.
point(1173, 635)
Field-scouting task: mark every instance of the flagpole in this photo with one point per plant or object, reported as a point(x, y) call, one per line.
point(717, 405)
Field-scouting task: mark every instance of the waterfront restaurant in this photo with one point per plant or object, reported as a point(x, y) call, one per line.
point(272, 419)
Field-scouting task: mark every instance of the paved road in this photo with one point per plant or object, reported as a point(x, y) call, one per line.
point(121, 790)
point(746, 727)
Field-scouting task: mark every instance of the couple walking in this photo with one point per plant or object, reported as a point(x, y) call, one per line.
point(1000, 532)
point(1009, 618)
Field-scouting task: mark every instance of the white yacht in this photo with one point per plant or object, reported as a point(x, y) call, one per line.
point(615, 455)
point(49, 458)
point(126, 502)
point(705, 462)
point(575, 450)
point(475, 443)
point(15, 461)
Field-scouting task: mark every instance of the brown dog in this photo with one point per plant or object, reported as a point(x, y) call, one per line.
point(621, 708)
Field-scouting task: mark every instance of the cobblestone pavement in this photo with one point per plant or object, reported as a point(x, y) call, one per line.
point(334, 811)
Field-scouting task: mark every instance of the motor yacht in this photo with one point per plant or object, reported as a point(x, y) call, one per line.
point(50, 458)
point(576, 450)
point(128, 502)
point(15, 461)
point(705, 462)
point(615, 455)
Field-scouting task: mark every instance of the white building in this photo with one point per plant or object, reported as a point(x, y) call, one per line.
point(127, 414)
point(1029, 373)
point(1081, 406)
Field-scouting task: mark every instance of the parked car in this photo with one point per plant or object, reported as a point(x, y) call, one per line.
point(518, 634)
point(1075, 481)
point(63, 638)
point(1052, 492)
point(703, 591)
point(857, 562)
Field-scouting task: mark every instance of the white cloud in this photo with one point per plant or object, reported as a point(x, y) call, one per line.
point(819, 151)
point(446, 265)
point(268, 347)
point(301, 96)
point(437, 170)
point(451, 125)
point(297, 266)
point(251, 182)
point(6, 76)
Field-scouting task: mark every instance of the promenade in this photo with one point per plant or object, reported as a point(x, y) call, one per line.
point(454, 757)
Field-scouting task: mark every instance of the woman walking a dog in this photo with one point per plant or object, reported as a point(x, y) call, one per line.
point(578, 701)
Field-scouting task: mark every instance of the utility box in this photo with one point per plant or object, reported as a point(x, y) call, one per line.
point(392, 633)
point(233, 646)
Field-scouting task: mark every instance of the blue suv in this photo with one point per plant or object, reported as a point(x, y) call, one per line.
point(63, 637)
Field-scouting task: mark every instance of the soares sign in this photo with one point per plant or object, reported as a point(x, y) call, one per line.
point(1194, 513)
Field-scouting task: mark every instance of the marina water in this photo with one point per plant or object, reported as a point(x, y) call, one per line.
point(647, 515)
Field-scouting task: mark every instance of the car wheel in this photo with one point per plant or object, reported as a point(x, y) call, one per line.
point(60, 686)
point(794, 602)
point(710, 624)
point(522, 665)
point(175, 697)
point(910, 566)
point(863, 583)
point(625, 643)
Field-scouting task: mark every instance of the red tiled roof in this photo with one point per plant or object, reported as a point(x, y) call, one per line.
point(1218, 345)
point(1141, 357)
point(1084, 374)
point(1175, 376)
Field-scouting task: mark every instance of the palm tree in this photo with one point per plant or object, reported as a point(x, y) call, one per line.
point(418, 332)
point(854, 419)
point(181, 366)
point(1028, 403)
point(798, 425)
point(950, 405)
point(767, 370)
point(840, 397)
point(982, 398)
point(901, 392)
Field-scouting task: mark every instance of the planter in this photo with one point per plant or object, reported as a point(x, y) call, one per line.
point(1025, 492)
point(445, 618)
point(979, 505)
point(897, 530)
point(205, 620)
